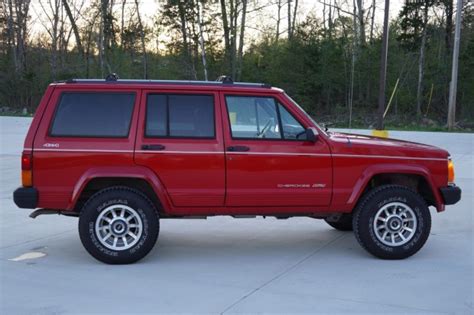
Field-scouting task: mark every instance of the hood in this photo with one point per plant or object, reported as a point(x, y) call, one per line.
point(382, 146)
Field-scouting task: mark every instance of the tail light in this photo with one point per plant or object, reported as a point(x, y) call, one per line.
point(26, 170)
point(450, 171)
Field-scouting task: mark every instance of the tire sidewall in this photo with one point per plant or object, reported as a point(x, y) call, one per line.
point(96, 205)
point(366, 217)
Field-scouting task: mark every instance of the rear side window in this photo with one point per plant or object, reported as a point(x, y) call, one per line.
point(94, 114)
point(180, 116)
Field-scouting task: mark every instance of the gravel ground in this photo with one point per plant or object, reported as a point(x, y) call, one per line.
point(224, 265)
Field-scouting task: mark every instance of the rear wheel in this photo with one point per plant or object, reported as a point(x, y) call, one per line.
point(392, 222)
point(344, 223)
point(118, 225)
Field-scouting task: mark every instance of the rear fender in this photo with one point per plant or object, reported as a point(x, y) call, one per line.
point(138, 172)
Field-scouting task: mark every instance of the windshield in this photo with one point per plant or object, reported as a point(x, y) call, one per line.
point(307, 115)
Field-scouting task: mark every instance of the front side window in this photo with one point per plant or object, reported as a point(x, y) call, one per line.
point(180, 116)
point(93, 114)
point(262, 118)
point(253, 117)
point(292, 129)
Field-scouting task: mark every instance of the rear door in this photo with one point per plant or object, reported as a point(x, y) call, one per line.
point(180, 139)
point(269, 161)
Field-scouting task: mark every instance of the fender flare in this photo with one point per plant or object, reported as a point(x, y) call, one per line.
point(137, 172)
point(393, 168)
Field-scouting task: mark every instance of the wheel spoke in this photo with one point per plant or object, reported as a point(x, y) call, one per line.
point(122, 213)
point(132, 235)
point(124, 240)
point(115, 241)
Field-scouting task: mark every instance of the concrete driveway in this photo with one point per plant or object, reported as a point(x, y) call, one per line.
point(225, 265)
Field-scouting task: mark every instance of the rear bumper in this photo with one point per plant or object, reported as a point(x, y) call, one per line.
point(26, 197)
point(451, 194)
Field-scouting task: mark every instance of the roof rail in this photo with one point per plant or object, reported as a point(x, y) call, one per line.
point(114, 79)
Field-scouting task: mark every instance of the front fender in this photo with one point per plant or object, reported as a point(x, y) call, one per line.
point(393, 168)
point(139, 172)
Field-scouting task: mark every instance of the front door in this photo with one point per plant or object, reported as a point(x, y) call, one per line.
point(178, 138)
point(269, 161)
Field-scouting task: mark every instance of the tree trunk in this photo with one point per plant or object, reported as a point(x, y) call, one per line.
point(184, 33)
point(122, 23)
point(233, 28)
point(449, 25)
point(290, 32)
point(278, 22)
point(225, 25)
point(241, 39)
point(421, 63)
point(74, 28)
point(201, 40)
point(142, 36)
point(372, 19)
point(11, 36)
point(361, 21)
point(293, 22)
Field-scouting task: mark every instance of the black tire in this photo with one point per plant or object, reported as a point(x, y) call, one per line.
point(392, 197)
point(144, 219)
point(343, 224)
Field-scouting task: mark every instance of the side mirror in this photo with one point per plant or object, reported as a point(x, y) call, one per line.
point(311, 135)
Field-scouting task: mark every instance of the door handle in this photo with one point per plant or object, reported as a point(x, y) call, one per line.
point(238, 148)
point(153, 147)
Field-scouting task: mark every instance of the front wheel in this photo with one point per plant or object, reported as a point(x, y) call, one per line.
point(118, 225)
point(392, 222)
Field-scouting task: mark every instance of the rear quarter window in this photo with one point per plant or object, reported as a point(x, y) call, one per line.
point(94, 114)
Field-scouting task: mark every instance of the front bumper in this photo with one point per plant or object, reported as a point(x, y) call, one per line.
point(26, 197)
point(451, 194)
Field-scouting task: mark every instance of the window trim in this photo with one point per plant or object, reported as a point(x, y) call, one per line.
point(168, 136)
point(278, 115)
point(51, 123)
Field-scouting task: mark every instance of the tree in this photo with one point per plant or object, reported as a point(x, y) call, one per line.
point(142, 37)
point(74, 27)
point(414, 25)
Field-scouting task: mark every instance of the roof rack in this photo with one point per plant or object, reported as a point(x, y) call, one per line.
point(221, 81)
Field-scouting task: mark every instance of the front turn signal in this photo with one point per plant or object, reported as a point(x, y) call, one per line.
point(450, 171)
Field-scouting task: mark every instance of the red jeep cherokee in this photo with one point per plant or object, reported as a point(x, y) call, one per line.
point(122, 154)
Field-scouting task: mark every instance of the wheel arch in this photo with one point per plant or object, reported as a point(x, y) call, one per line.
point(415, 177)
point(140, 178)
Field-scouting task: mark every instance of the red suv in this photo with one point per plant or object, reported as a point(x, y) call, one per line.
point(121, 154)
